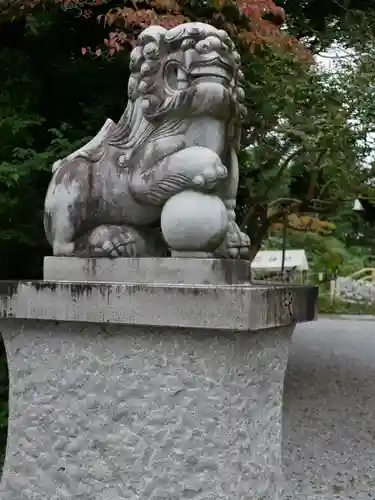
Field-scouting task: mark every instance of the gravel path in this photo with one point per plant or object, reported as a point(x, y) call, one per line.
point(329, 411)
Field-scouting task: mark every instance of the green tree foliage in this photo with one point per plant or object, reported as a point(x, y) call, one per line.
point(319, 23)
point(52, 100)
point(326, 254)
point(307, 152)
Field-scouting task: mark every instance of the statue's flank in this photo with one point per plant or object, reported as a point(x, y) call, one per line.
point(166, 176)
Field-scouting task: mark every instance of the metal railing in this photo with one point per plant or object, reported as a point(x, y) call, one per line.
point(367, 274)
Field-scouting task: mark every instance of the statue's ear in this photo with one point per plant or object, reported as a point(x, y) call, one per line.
point(146, 65)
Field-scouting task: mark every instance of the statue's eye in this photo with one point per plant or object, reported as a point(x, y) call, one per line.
point(176, 78)
point(172, 76)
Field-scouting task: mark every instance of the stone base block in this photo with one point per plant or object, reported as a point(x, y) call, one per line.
point(109, 412)
point(178, 270)
point(223, 307)
point(154, 390)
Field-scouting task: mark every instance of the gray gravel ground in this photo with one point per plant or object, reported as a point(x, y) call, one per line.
point(329, 411)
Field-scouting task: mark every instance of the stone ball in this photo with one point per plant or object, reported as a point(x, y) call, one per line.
point(194, 222)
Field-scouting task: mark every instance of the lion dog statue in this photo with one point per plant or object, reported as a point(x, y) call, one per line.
point(179, 135)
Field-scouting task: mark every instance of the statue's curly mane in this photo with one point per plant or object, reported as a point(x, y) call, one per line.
point(150, 110)
point(149, 113)
point(134, 130)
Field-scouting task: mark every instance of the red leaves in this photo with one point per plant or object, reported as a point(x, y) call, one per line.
point(142, 18)
point(129, 21)
point(258, 26)
point(165, 5)
point(116, 41)
point(265, 19)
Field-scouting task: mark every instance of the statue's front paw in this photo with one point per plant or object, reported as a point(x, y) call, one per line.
point(236, 244)
point(114, 241)
point(211, 174)
point(124, 245)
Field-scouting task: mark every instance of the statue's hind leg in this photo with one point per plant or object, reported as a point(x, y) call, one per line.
point(68, 206)
point(59, 226)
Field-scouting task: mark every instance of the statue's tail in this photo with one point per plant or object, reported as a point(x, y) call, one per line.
point(88, 150)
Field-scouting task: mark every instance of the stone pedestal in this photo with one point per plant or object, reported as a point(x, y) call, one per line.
point(159, 391)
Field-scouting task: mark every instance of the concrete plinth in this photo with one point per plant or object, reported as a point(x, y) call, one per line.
point(113, 412)
point(188, 271)
point(111, 399)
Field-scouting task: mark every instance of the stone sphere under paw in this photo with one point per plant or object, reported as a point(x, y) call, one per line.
point(194, 222)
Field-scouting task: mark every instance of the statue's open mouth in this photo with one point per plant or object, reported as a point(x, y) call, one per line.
point(210, 74)
point(218, 70)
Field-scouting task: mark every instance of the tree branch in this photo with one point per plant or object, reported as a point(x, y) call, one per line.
point(278, 201)
point(281, 169)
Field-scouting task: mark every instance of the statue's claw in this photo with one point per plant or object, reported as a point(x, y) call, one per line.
point(115, 241)
point(210, 176)
point(123, 246)
point(236, 244)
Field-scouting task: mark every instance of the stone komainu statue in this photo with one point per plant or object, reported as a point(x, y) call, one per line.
point(166, 175)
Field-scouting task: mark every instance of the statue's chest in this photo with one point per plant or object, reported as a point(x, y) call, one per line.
point(208, 133)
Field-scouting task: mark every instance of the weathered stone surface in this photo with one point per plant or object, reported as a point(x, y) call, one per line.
point(223, 307)
point(203, 230)
point(179, 133)
point(148, 270)
point(111, 412)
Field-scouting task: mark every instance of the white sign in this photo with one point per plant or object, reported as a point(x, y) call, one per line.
point(271, 260)
point(357, 206)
